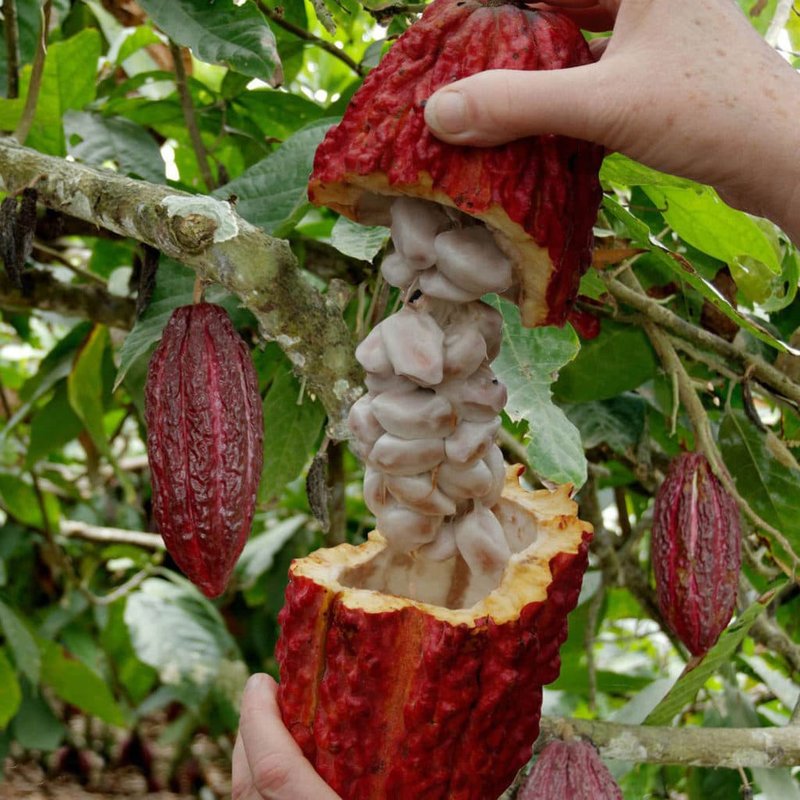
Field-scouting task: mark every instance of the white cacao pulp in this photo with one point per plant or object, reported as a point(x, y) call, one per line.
point(427, 426)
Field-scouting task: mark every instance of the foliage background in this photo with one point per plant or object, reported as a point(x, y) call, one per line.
point(103, 646)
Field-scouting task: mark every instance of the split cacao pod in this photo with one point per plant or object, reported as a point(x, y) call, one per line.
point(403, 678)
point(570, 770)
point(696, 552)
point(538, 195)
point(204, 442)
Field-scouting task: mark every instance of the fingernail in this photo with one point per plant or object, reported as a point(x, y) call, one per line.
point(446, 112)
point(255, 682)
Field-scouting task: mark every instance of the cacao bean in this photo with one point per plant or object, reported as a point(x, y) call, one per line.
point(481, 541)
point(415, 345)
point(419, 414)
point(406, 456)
point(470, 259)
point(415, 224)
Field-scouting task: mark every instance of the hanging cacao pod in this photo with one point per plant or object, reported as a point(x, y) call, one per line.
point(569, 771)
point(204, 442)
point(538, 195)
point(404, 678)
point(696, 552)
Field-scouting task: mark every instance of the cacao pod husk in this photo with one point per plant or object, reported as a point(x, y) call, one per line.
point(539, 195)
point(696, 552)
point(570, 770)
point(204, 442)
point(404, 678)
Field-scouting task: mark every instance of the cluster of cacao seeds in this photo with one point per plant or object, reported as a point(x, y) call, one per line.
point(426, 428)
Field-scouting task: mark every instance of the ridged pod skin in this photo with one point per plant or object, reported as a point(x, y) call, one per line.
point(204, 442)
point(570, 771)
point(696, 552)
point(539, 195)
point(439, 697)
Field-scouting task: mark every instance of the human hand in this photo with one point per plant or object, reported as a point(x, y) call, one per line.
point(267, 762)
point(684, 86)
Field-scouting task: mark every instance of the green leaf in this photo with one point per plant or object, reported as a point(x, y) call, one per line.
point(690, 683)
point(273, 192)
point(52, 427)
point(623, 171)
point(68, 82)
point(20, 500)
point(135, 40)
point(291, 430)
point(617, 422)
point(21, 643)
point(10, 691)
point(279, 114)
point(358, 241)
point(260, 551)
point(36, 727)
point(177, 631)
point(618, 360)
point(769, 486)
point(528, 363)
point(220, 33)
point(75, 683)
point(700, 218)
point(99, 141)
point(684, 271)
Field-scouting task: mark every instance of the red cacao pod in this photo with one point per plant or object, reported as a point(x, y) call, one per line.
point(403, 678)
point(204, 442)
point(696, 552)
point(570, 771)
point(539, 195)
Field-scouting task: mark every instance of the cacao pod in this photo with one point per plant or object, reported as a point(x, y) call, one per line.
point(696, 552)
point(204, 442)
point(539, 195)
point(569, 771)
point(404, 678)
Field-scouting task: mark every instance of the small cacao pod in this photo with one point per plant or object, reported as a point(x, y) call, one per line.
point(204, 442)
point(570, 771)
point(538, 195)
point(696, 552)
point(404, 678)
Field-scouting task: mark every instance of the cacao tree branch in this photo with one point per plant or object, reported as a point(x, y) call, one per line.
point(208, 236)
point(700, 747)
point(40, 289)
point(182, 85)
point(29, 109)
point(12, 48)
point(764, 372)
point(96, 533)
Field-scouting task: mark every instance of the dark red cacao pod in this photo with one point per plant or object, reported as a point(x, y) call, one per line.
point(696, 552)
point(204, 442)
point(570, 771)
point(539, 195)
point(404, 679)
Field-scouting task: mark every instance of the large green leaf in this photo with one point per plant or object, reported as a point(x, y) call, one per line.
point(641, 235)
point(177, 631)
point(19, 498)
point(52, 427)
point(770, 487)
point(36, 727)
point(99, 140)
point(221, 32)
point(260, 551)
point(291, 429)
point(690, 683)
point(617, 422)
point(616, 361)
point(10, 691)
point(74, 682)
point(358, 241)
point(273, 192)
point(21, 644)
point(68, 82)
point(528, 363)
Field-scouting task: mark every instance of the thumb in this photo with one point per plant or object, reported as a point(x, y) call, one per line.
point(500, 105)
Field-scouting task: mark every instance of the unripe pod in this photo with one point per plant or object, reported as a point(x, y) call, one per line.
point(570, 771)
point(204, 442)
point(696, 552)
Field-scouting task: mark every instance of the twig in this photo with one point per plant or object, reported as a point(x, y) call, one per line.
point(12, 48)
point(57, 255)
point(700, 422)
point(704, 357)
point(690, 746)
point(307, 36)
point(190, 119)
point(29, 110)
point(97, 533)
point(765, 373)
